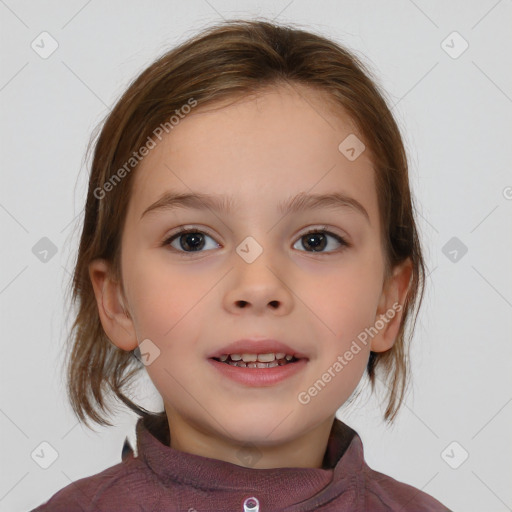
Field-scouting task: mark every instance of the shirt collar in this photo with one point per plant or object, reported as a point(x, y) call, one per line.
point(343, 459)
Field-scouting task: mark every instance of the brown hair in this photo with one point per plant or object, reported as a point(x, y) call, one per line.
point(231, 60)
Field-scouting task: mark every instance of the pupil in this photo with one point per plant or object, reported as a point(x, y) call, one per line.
point(193, 241)
point(316, 246)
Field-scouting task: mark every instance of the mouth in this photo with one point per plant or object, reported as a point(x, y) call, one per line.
point(254, 350)
point(258, 363)
point(270, 360)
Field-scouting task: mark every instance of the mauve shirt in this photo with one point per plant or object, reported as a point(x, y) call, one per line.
point(160, 478)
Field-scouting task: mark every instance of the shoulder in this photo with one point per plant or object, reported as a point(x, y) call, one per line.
point(385, 493)
point(99, 491)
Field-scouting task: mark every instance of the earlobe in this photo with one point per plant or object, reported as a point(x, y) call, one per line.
point(113, 314)
point(390, 309)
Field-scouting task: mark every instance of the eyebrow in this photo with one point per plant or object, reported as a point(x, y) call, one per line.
point(225, 204)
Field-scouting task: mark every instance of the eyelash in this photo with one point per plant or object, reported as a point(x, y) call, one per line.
point(344, 244)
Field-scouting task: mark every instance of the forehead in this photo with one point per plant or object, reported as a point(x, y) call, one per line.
point(259, 150)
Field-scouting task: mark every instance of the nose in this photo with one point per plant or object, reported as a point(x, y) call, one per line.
point(259, 287)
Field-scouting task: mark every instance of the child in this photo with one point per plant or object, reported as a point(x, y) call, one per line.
point(249, 240)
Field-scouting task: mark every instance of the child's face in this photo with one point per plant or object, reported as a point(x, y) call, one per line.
point(191, 304)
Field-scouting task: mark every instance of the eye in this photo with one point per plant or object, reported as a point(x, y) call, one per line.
point(189, 240)
point(318, 239)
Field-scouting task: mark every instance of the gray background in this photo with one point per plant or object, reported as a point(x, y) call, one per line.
point(455, 113)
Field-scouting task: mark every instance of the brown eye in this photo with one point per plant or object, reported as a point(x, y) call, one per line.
point(189, 240)
point(318, 240)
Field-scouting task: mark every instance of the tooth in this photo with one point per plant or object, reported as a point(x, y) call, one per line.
point(236, 357)
point(272, 364)
point(289, 358)
point(248, 357)
point(253, 365)
point(223, 357)
point(261, 365)
point(280, 355)
point(266, 358)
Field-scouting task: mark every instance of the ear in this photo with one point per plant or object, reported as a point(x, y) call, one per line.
point(114, 316)
point(390, 309)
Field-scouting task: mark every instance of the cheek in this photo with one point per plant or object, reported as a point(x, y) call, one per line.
point(348, 300)
point(164, 298)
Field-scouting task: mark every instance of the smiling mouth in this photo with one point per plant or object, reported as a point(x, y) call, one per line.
point(256, 361)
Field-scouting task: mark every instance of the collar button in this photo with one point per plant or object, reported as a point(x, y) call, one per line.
point(251, 505)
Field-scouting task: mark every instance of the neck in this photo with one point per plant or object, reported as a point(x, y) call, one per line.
point(305, 451)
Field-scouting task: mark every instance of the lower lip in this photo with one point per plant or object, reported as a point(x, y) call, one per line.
point(259, 376)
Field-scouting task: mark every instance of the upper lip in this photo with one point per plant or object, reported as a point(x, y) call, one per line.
point(257, 346)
